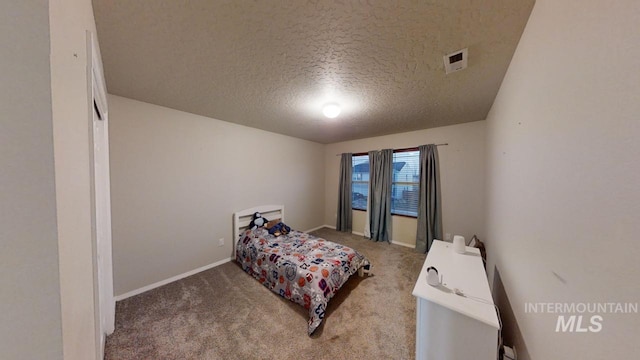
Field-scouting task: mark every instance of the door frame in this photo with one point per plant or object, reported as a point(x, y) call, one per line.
point(104, 301)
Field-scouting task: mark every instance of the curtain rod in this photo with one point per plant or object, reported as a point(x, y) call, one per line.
point(443, 144)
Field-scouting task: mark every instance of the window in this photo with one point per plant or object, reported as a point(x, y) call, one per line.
point(405, 186)
point(360, 182)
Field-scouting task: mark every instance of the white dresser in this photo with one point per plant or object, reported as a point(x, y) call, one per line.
point(450, 326)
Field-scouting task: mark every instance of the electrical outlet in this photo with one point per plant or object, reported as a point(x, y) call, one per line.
point(447, 237)
point(221, 242)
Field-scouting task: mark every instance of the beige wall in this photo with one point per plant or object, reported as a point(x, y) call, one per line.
point(30, 321)
point(563, 171)
point(461, 171)
point(69, 21)
point(48, 291)
point(177, 178)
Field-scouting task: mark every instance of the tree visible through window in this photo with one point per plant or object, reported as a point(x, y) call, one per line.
point(405, 182)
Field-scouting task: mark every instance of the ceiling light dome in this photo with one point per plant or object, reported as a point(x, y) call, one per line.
point(331, 110)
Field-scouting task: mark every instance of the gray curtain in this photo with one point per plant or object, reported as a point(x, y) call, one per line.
point(380, 177)
point(344, 217)
point(429, 203)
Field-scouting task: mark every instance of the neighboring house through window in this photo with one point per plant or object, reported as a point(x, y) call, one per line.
point(405, 182)
point(360, 182)
point(405, 188)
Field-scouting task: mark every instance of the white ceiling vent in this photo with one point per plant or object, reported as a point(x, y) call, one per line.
point(455, 61)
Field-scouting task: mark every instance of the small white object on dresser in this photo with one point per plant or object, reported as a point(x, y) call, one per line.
point(455, 320)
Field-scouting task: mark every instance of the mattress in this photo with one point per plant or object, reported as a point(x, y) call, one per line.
point(303, 268)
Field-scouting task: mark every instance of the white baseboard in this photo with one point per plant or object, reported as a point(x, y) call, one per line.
point(318, 228)
point(361, 234)
point(392, 241)
point(403, 244)
point(333, 227)
point(170, 280)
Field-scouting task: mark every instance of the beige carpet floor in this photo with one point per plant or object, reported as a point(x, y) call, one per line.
point(223, 313)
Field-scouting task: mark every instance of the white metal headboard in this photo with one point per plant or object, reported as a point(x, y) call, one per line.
point(242, 218)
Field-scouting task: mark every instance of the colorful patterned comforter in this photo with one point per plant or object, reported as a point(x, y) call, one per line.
point(300, 267)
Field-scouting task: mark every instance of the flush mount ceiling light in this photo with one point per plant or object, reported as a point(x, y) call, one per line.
point(331, 110)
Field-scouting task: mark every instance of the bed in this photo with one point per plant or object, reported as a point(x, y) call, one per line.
point(297, 266)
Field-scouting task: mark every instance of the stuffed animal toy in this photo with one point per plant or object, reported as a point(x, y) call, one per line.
point(257, 221)
point(279, 229)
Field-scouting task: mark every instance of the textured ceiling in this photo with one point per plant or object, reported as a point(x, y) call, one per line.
point(273, 64)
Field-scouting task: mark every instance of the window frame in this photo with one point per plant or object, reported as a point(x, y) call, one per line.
point(357, 181)
point(392, 182)
point(407, 182)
